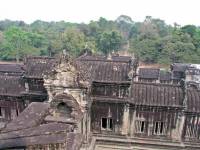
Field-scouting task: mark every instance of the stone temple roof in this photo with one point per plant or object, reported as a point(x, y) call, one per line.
point(29, 128)
point(149, 73)
point(36, 67)
point(193, 100)
point(12, 69)
point(151, 94)
point(11, 85)
point(165, 76)
point(103, 69)
point(107, 70)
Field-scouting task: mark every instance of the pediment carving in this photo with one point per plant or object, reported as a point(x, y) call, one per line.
point(66, 91)
point(65, 74)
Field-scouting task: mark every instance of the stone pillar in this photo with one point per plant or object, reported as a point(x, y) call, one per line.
point(47, 85)
point(132, 123)
point(125, 124)
point(177, 132)
point(84, 125)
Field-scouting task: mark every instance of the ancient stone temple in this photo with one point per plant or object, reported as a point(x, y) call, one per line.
point(57, 123)
point(96, 102)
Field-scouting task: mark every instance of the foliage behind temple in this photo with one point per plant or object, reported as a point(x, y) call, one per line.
point(152, 40)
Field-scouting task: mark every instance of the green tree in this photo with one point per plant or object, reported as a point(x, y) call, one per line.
point(189, 29)
point(124, 24)
point(147, 49)
point(18, 43)
point(73, 41)
point(109, 41)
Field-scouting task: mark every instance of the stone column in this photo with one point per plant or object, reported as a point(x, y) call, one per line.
point(132, 123)
point(177, 132)
point(125, 124)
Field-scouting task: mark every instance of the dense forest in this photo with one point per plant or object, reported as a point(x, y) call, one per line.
point(152, 40)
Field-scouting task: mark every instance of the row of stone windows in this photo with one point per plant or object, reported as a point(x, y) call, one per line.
point(192, 131)
point(159, 127)
point(193, 127)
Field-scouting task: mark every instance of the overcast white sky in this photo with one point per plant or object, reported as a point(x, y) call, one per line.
point(180, 11)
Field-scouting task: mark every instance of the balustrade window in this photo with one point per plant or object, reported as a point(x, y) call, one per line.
point(159, 128)
point(193, 128)
point(140, 126)
point(106, 123)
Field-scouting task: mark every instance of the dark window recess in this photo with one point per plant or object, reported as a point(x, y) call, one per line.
point(140, 126)
point(159, 128)
point(64, 109)
point(107, 123)
point(17, 112)
point(156, 127)
point(104, 123)
point(111, 124)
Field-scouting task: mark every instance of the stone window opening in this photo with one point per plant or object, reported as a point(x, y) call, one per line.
point(140, 126)
point(64, 109)
point(159, 128)
point(106, 123)
point(193, 128)
point(17, 113)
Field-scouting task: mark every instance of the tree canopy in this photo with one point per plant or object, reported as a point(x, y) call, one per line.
point(152, 40)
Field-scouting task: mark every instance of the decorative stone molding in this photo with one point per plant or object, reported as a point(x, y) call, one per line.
point(66, 90)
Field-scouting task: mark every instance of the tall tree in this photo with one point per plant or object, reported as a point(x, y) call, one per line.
point(19, 43)
point(109, 41)
point(73, 41)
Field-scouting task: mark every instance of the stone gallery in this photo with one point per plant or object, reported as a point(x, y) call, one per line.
point(97, 102)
